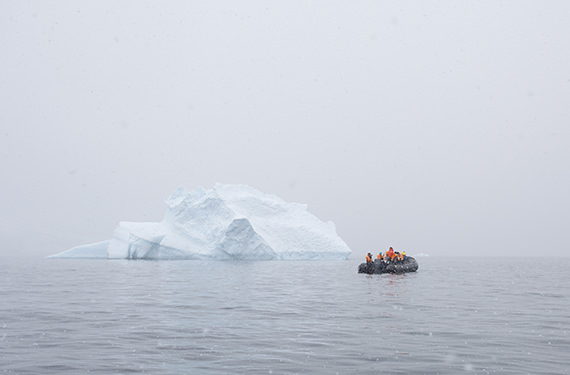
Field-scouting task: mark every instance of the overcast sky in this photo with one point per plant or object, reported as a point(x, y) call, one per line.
point(438, 127)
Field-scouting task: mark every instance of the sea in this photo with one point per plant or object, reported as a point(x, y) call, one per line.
point(454, 315)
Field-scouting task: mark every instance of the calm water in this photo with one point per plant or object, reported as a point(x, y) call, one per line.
point(191, 317)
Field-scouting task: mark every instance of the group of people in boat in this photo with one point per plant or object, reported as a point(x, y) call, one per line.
point(390, 256)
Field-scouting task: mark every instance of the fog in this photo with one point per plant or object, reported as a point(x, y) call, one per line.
point(436, 127)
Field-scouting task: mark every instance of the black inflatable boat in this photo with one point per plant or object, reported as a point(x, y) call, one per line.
point(407, 265)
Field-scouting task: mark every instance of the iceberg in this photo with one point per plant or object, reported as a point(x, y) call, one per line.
point(225, 222)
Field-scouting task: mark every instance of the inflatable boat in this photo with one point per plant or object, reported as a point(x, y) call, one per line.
point(407, 265)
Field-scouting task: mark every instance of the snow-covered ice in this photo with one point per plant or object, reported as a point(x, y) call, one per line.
point(225, 222)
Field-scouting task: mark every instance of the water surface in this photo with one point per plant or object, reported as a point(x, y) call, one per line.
point(284, 317)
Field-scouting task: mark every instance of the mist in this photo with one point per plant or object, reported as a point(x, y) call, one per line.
point(432, 127)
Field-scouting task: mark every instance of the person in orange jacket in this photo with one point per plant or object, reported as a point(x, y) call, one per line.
point(369, 258)
point(390, 254)
point(399, 257)
point(380, 256)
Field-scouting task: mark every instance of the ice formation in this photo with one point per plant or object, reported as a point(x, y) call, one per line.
point(225, 222)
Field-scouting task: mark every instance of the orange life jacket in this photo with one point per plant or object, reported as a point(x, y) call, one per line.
point(368, 259)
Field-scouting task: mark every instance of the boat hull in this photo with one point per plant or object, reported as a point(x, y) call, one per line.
point(378, 267)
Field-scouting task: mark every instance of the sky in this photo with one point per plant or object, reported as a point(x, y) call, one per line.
point(435, 127)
